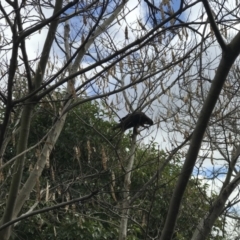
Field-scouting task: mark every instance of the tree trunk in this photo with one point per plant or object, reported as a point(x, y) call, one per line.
point(205, 225)
point(228, 58)
point(126, 192)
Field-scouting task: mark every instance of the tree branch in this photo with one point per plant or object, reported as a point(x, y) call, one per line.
point(114, 55)
point(214, 25)
point(228, 58)
point(81, 199)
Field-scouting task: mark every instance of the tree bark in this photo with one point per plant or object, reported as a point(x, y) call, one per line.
point(10, 212)
point(228, 58)
point(17, 172)
point(205, 225)
point(126, 192)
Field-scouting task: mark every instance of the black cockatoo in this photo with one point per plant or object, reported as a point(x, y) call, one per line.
point(134, 120)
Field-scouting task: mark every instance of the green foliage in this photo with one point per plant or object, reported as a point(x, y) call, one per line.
point(84, 160)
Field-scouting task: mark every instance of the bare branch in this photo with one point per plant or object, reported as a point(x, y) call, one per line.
point(214, 25)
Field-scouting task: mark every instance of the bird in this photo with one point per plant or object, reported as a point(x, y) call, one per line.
point(133, 120)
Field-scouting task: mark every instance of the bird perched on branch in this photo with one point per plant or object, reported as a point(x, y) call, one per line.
point(135, 120)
